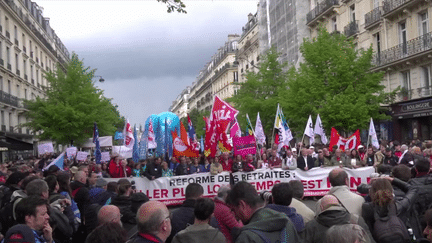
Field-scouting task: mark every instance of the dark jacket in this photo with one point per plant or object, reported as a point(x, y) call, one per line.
point(182, 170)
point(402, 205)
point(423, 184)
point(335, 215)
point(80, 194)
point(301, 163)
point(182, 217)
point(153, 170)
point(407, 158)
point(392, 160)
point(267, 225)
point(296, 218)
point(145, 238)
point(124, 203)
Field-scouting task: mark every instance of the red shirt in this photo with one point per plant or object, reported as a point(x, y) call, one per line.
point(226, 165)
point(117, 171)
point(275, 161)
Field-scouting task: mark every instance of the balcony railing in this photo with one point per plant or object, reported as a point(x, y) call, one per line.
point(404, 50)
point(8, 99)
point(351, 29)
point(392, 5)
point(7, 34)
point(373, 17)
point(320, 9)
point(9, 66)
point(3, 128)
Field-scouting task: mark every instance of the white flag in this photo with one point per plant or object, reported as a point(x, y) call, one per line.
point(151, 138)
point(284, 130)
point(309, 130)
point(319, 130)
point(128, 135)
point(259, 131)
point(373, 135)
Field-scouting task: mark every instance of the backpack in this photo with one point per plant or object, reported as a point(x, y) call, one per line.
point(389, 229)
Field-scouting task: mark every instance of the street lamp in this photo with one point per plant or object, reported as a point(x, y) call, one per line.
point(100, 78)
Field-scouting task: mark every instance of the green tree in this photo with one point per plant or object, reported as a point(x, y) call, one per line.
point(334, 81)
point(261, 92)
point(197, 121)
point(174, 6)
point(71, 106)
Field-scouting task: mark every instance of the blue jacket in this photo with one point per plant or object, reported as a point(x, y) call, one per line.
point(296, 218)
point(196, 169)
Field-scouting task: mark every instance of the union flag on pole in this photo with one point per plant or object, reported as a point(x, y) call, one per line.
point(180, 147)
point(128, 135)
point(151, 138)
point(344, 143)
point(192, 139)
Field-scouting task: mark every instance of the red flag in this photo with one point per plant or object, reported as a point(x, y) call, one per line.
point(344, 143)
point(210, 144)
point(180, 148)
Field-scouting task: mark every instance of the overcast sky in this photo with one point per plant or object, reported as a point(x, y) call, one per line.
point(146, 56)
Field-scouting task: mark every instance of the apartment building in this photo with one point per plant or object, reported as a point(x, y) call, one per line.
point(180, 104)
point(28, 48)
point(398, 31)
point(248, 53)
point(218, 77)
point(283, 26)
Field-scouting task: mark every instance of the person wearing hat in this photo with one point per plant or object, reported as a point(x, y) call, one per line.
point(19, 233)
point(98, 192)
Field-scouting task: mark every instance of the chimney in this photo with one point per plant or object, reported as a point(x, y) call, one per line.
point(250, 16)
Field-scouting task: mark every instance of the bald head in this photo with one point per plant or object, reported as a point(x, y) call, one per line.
point(81, 176)
point(153, 218)
point(109, 213)
point(338, 177)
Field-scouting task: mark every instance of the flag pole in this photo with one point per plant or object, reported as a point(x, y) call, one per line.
point(272, 140)
point(253, 132)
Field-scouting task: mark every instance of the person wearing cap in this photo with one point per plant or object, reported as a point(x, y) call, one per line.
point(19, 233)
point(98, 193)
point(331, 213)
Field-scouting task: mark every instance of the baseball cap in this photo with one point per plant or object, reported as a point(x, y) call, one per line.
point(19, 233)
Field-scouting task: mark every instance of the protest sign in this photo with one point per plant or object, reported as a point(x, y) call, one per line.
point(70, 152)
point(45, 148)
point(244, 145)
point(105, 156)
point(82, 156)
point(171, 190)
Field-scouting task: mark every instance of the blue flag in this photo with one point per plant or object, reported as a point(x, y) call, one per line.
point(202, 144)
point(135, 152)
point(59, 162)
point(167, 139)
point(97, 153)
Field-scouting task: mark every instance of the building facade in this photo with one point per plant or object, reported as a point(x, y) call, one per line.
point(248, 53)
point(218, 77)
point(399, 32)
point(28, 48)
point(181, 104)
point(283, 26)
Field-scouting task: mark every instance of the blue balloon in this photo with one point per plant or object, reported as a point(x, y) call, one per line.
point(168, 122)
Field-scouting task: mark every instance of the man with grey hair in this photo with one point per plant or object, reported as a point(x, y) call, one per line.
point(154, 223)
point(225, 218)
point(406, 158)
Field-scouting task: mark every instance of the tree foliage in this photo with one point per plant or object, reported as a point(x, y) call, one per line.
point(71, 106)
point(261, 92)
point(174, 6)
point(334, 81)
point(197, 121)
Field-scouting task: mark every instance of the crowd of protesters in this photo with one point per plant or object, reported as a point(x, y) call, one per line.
point(80, 203)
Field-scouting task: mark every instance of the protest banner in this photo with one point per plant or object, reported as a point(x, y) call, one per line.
point(45, 148)
point(105, 156)
point(171, 190)
point(82, 156)
point(70, 152)
point(244, 145)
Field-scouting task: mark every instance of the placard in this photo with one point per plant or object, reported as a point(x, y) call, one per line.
point(82, 156)
point(105, 156)
point(45, 148)
point(70, 152)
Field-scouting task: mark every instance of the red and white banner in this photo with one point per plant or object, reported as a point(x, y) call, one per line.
point(171, 190)
point(344, 143)
point(151, 138)
point(128, 135)
point(244, 145)
point(180, 144)
point(221, 116)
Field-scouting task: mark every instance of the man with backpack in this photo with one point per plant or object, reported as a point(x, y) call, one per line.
point(261, 224)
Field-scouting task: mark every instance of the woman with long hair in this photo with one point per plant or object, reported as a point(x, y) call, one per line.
point(384, 205)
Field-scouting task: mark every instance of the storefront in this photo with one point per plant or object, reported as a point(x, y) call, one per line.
point(12, 149)
point(412, 120)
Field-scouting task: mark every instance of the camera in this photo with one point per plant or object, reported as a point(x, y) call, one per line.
point(133, 185)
